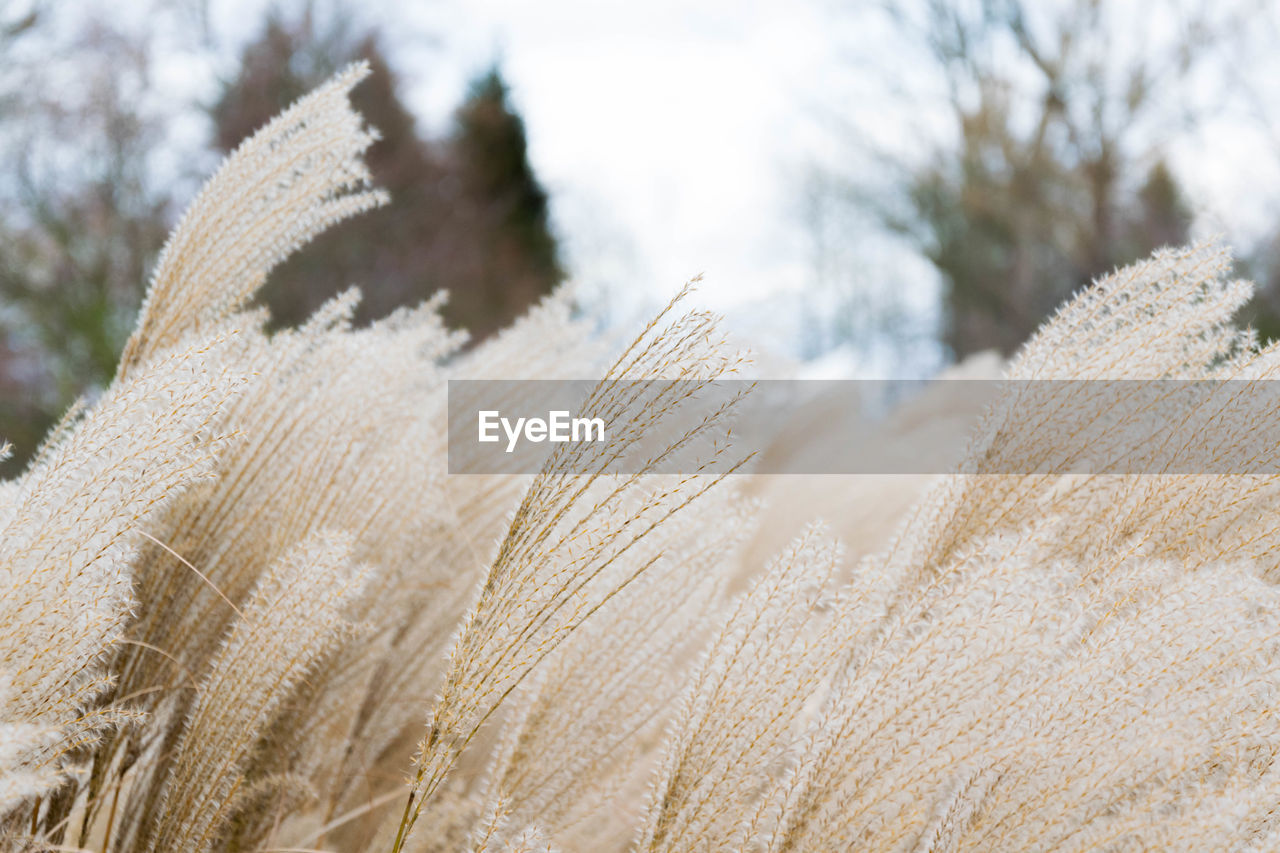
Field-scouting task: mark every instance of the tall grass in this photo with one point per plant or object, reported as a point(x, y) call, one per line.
point(244, 607)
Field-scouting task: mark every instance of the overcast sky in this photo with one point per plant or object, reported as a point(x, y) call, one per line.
point(679, 128)
point(672, 136)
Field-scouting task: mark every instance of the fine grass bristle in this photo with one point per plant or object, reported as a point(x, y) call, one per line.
point(245, 606)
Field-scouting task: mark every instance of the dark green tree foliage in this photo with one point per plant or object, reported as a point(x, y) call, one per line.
point(1262, 266)
point(467, 214)
point(501, 200)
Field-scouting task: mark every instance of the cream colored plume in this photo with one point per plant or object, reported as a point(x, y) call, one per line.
point(291, 180)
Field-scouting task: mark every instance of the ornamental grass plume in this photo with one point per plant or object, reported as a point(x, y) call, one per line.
point(1069, 662)
point(69, 545)
point(243, 606)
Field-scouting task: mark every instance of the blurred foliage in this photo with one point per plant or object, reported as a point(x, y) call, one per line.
point(468, 214)
point(511, 259)
point(1055, 173)
point(84, 210)
point(81, 221)
point(1262, 265)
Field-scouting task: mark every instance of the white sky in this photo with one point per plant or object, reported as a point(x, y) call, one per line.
point(674, 137)
point(670, 134)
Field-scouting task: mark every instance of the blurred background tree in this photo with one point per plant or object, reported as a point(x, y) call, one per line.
point(85, 212)
point(510, 259)
point(81, 219)
point(1053, 170)
point(468, 214)
point(1010, 151)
